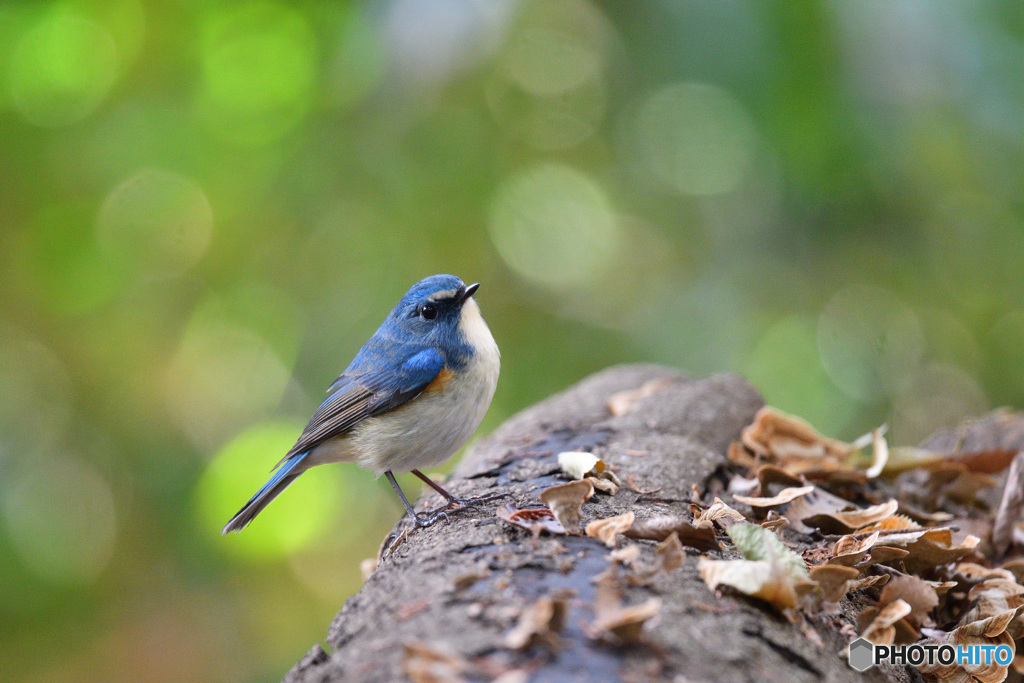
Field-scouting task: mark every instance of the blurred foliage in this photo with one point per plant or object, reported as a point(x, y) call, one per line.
point(206, 208)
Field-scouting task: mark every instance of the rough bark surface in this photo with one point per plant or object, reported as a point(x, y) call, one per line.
point(672, 439)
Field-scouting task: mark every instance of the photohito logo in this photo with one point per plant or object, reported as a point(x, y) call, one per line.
point(864, 654)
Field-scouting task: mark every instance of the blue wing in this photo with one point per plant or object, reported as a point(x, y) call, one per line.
point(380, 378)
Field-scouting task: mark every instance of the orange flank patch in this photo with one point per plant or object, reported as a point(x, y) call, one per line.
point(441, 381)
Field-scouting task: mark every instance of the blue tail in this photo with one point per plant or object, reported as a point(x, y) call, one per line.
point(268, 492)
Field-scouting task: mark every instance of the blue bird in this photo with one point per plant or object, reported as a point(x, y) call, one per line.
point(411, 397)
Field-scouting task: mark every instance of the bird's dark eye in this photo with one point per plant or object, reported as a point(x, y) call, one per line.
point(428, 312)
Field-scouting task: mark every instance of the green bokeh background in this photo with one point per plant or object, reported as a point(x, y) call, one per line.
point(206, 208)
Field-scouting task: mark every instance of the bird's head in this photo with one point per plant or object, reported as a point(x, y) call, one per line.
point(432, 309)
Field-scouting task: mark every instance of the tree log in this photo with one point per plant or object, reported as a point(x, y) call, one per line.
point(442, 602)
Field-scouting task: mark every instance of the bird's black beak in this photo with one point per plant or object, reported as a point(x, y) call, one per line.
point(468, 291)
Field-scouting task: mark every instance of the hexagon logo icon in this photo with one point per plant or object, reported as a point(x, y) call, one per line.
point(862, 654)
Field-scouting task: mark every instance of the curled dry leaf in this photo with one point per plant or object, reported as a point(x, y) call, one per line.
point(620, 402)
point(833, 580)
point(777, 434)
point(817, 502)
point(774, 521)
point(882, 554)
point(930, 547)
point(719, 513)
point(607, 530)
point(882, 628)
point(566, 502)
point(661, 527)
point(626, 623)
point(626, 556)
point(606, 483)
point(612, 619)
point(769, 474)
point(850, 550)
point(669, 557)
point(917, 593)
point(534, 520)
point(867, 582)
point(784, 496)
point(794, 446)
point(842, 522)
point(539, 624)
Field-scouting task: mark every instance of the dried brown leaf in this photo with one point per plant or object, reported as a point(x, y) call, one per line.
point(833, 580)
point(850, 550)
point(784, 496)
point(881, 630)
point(539, 624)
point(718, 512)
point(769, 474)
point(627, 623)
point(930, 547)
point(775, 433)
point(612, 619)
point(608, 529)
point(817, 502)
point(661, 527)
point(846, 521)
point(882, 554)
point(566, 502)
point(605, 484)
point(917, 593)
point(669, 557)
point(535, 520)
point(867, 582)
point(626, 556)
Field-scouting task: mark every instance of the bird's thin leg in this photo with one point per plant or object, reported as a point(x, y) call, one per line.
point(420, 521)
point(453, 500)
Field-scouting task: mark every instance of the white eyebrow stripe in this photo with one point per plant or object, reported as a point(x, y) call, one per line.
point(446, 294)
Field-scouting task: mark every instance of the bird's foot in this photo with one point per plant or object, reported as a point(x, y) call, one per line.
point(461, 503)
point(423, 521)
point(455, 505)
